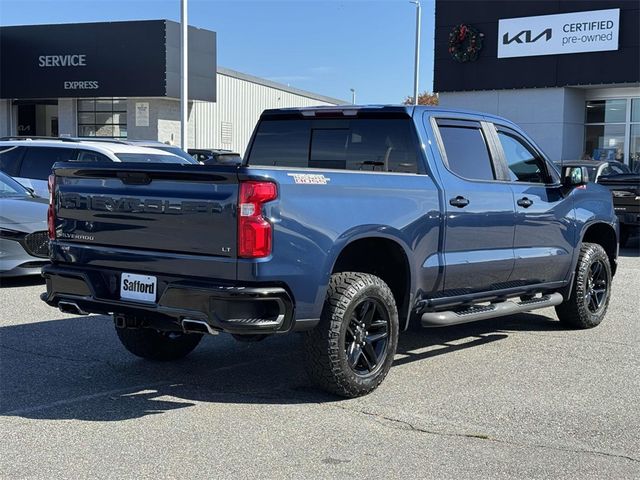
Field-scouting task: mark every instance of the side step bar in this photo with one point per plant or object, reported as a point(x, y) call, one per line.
point(482, 312)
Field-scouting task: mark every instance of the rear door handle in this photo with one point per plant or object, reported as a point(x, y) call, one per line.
point(525, 202)
point(459, 202)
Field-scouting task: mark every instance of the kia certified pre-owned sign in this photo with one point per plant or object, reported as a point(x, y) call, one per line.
point(592, 31)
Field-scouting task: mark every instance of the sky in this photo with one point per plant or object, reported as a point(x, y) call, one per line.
point(327, 47)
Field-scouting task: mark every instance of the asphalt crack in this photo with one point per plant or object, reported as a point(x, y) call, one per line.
point(405, 425)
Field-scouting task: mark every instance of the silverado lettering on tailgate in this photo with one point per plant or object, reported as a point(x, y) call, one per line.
point(104, 203)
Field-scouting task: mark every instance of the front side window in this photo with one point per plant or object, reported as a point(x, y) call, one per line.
point(467, 152)
point(384, 145)
point(524, 164)
point(38, 161)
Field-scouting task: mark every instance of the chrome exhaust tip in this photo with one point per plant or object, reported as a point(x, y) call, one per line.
point(190, 325)
point(71, 307)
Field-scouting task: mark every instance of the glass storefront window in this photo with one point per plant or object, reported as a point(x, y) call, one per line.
point(634, 148)
point(635, 110)
point(102, 117)
point(609, 130)
point(606, 111)
point(605, 142)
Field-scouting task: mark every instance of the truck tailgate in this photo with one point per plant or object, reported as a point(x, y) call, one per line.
point(186, 209)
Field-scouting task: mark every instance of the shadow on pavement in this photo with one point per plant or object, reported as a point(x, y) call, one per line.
point(75, 368)
point(25, 281)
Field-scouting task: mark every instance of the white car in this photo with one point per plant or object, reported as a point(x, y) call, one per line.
point(29, 161)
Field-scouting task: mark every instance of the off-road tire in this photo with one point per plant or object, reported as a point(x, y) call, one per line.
point(574, 312)
point(325, 356)
point(159, 346)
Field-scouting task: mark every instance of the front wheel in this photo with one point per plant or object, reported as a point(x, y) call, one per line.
point(589, 299)
point(350, 351)
point(157, 345)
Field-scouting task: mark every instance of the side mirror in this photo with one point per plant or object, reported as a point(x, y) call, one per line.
point(575, 176)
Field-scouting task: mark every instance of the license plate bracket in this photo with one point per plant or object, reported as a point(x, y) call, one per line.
point(140, 288)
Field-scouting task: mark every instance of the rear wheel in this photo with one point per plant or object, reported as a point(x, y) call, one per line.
point(350, 351)
point(587, 305)
point(157, 345)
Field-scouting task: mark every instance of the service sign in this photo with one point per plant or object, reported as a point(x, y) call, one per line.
point(592, 31)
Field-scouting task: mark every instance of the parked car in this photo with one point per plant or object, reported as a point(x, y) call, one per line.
point(597, 169)
point(625, 189)
point(30, 160)
point(209, 156)
point(345, 223)
point(24, 240)
point(164, 147)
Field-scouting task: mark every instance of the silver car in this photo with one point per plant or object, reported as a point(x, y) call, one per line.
point(24, 240)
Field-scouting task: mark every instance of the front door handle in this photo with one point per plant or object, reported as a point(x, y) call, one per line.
point(525, 202)
point(459, 202)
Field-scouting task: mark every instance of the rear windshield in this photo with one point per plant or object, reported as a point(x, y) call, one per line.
point(386, 145)
point(10, 188)
point(176, 151)
point(149, 158)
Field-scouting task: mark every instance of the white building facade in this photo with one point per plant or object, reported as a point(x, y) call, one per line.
point(53, 83)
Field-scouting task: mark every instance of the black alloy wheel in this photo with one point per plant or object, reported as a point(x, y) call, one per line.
point(597, 286)
point(367, 337)
point(351, 349)
point(587, 303)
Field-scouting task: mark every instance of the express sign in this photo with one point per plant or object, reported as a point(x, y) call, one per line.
point(577, 32)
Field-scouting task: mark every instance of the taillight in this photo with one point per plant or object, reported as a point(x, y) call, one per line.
point(254, 231)
point(51, 212)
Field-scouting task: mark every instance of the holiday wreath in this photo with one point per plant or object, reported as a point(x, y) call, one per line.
point(464, 43)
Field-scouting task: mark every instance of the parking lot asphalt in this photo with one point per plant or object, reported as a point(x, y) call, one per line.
point(516, 397)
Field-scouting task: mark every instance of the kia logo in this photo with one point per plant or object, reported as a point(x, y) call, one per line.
point(528, 37)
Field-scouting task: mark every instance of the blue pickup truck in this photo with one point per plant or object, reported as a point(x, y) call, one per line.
point(345, 224)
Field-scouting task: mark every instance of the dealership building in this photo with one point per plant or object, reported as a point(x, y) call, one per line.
point(122, 80)
point(568, 72)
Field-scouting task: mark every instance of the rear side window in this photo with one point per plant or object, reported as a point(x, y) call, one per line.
point(90, 156)
point(281, 143)
point(10, 159)
point(466, 151)
point(385, 145)
point(38, 161)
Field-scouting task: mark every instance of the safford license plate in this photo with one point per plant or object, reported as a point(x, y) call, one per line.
point(141, 288)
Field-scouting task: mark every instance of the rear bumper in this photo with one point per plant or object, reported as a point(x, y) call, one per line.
point(232, 308)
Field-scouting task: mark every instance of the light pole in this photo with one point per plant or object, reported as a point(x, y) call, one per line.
point(353, 96)
point(184, 79)
point(416, 67)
